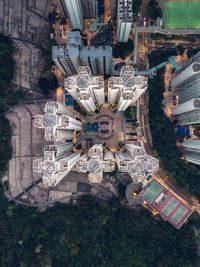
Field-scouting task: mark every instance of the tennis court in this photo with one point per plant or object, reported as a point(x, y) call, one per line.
point(182, 15)
point(152, 192)
point(170, 206)
point(179, 214)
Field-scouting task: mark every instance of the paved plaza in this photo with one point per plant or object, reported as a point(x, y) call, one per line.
point(110, 129)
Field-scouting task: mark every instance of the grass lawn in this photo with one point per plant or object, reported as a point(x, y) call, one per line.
point(182, 15)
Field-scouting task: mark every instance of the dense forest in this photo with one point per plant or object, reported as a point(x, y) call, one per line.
point(7, 96)
point(95, 233)
point(164, 140)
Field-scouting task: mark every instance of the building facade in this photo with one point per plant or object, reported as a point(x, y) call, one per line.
point(124, 20)
point(186, 84)
point(57, 122)
point(89, 8)
point(99, 59)
point(57, 163)
point(75, 12)
point(68, 58)
point(126, 89)
point(86, 89)
point(58, 57)
point(137, 163)
point(96, 162)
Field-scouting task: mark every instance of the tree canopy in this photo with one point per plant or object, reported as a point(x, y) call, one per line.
point(153, 10)
point(96, 233)
point(164, 140)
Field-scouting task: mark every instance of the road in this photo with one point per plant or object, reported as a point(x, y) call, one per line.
point(161, 176)
point(145, 134)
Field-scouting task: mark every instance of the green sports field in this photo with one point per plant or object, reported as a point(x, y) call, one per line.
point(180, 15)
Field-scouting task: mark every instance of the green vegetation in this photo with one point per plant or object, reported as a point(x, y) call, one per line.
point(174, 38)
point(6, 150)
point(153, 10)
point(183, 14)
point(136, 8)
point(96, 233)
point(8, 94)
point(90, 233)
point(164, 140)
point(123, 50)
point(131, 113)
point(180, 49)
point(160, 55)
point(192, 52)
point(48, 81)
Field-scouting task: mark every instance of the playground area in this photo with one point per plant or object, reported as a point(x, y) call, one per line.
point(166, 203)
point(181, 14)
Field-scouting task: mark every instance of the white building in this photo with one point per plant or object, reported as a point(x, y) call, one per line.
point(57, 122)
point(67, 58)
point(186, 84)
point(75, 12)
point(124, 20)
point(126, 89)
point(99, 59)
point(86, 89)
point(188, 113)
point(137, 163)
point(96, 162)
point(57, 163)
point(59, 58)
point(73, 45)
point(186, 75)
point(192, 151)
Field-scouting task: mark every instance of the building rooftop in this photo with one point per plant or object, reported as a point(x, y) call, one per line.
point(166, 203)
point(125, 10)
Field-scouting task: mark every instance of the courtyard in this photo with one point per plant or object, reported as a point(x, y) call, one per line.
point(106, 127)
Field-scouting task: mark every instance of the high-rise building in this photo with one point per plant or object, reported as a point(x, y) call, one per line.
point(86, 89)
point(124, 20)
point(57, 122)
point(74, 55)
point(126, 89)
point(187, 75)
point(75, 12)
point(99, 59)
point(186, 84)
point(68, 58)
point(96, 162)
point(57, 163)
point(137, 163)
point(59, 58)
point(188, 113)
point(74, 44)
point(192, 151)
point(89, 8)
